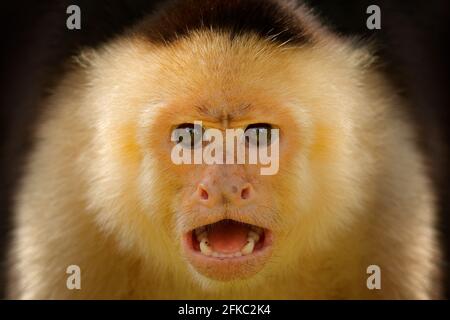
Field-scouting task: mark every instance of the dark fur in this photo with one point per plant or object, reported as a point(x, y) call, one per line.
point(273, 19)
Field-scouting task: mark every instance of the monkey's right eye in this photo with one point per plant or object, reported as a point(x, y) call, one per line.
point(259, 133)
point(189, 135)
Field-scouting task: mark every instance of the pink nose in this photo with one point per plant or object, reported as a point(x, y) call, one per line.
point(238, 193)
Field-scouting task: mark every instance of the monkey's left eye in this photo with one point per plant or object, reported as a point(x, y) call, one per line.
point(259, 134)
point(188, 134)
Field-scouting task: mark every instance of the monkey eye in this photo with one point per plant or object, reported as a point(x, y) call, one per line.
point(259, 134)
point(189, 135)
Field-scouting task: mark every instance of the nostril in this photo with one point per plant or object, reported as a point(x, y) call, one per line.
point(245, 193)
point(203, 194)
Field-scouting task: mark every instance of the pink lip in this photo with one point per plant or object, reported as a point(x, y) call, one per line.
point(225, 269)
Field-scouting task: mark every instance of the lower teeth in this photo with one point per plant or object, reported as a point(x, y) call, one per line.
point(248, 248)
point(252, 238)
point(204, 247)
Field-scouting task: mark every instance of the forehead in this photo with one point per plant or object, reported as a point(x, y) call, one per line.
point(216, 77)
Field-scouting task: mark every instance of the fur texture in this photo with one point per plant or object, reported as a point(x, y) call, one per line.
point(101, 192)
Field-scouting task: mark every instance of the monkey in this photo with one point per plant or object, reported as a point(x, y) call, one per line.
point(100, 190)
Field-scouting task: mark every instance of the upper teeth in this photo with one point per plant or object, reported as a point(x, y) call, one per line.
point(252, 238)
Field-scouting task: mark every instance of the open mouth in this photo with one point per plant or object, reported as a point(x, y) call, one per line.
point(228, 239)
point(228, 249)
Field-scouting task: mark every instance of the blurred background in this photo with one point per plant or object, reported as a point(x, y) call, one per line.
point(412, 45)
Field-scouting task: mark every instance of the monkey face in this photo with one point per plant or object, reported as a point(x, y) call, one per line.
point(225, 222)
point(227, 216)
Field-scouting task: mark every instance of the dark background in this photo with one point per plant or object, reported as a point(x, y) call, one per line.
point(412, 44)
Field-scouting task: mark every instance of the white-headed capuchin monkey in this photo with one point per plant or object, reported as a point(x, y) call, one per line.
point(102, 192)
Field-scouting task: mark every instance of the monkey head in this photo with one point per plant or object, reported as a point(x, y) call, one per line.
point(225, 224)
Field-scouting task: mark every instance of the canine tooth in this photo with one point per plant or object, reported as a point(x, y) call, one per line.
point(238, 254)
point(248, 248)
point(215, 254)
point(204, 247)
point(253, 235)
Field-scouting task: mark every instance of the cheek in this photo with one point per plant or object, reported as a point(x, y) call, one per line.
point(186, 179)
point(127, 144)
point(325, 144)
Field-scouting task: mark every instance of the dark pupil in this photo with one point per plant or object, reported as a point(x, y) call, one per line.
point(191, 131)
